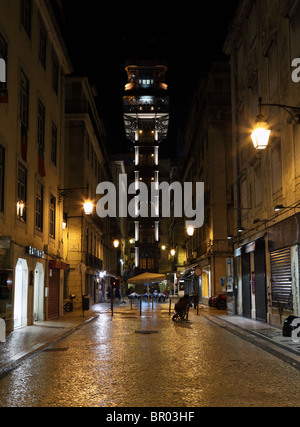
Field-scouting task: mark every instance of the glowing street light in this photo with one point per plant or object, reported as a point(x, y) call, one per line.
point(261, 135)
point(88, 208)
point(116, 244)
point(190, 231)
point(173, 252)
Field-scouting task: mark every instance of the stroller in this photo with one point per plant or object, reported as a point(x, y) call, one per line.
point(182, 308)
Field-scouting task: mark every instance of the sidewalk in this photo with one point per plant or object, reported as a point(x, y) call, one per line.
point(23, 343)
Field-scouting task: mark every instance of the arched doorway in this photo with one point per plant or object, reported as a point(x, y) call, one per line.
point(21, 294)
point(38, 302)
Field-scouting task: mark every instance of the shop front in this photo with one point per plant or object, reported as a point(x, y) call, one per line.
point(250, 262)
point(55, 289)
point(284, 241)
point(267, 274)
point(21, 294)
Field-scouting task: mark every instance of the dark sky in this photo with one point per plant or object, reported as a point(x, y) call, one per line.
point(102, 35)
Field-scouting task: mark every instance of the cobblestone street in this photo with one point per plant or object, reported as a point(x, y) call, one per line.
point(148, 361)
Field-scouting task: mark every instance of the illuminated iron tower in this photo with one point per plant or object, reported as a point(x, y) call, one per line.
point(146, 118)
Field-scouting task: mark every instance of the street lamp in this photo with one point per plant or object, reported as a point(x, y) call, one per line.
point(173, 252)
point(261, 135)
point(116, 244)
point(88, 208)
point(190, 231)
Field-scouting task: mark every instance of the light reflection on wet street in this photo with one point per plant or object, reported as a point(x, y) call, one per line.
point(111, 363)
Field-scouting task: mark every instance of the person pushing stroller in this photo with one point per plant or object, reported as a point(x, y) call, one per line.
point(182, 308)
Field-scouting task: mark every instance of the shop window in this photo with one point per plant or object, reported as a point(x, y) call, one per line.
point(6, 282)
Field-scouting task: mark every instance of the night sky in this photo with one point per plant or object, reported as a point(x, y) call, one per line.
point(188, 35)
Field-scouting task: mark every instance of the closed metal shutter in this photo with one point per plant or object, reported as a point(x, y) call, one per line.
point(260, 286)
point(246, 286)
point(281, 278)
point(53, 298)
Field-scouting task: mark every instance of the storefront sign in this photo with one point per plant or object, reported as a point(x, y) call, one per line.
point(35, 252)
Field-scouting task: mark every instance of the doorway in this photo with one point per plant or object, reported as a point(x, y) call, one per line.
point(38, 302)
point(21, 294)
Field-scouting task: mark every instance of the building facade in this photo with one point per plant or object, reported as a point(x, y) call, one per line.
point(31, 147)
point(88, 239)
point(208, 160)
point(262, 42)
point(146, 118)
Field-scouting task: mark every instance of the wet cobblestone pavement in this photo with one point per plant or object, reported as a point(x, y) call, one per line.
point(148, 361)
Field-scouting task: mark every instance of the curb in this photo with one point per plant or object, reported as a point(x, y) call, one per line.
point(285, 354)
point(39, 348)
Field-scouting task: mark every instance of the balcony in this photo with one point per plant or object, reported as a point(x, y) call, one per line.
point(94, 262)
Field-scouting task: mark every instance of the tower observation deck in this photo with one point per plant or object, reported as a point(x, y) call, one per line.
point(146, 118)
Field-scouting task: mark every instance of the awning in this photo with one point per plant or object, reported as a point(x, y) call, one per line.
point(147, 278)
point(185, 274)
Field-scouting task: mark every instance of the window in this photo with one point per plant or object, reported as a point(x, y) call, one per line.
point(41, 125)
point(3, 69)
point(2, 171)
point(54, 144)
point(295, 35)
point(273, 76)
point(297, 149)
point(88, 148)
point(24, 99)
point(257, 183)
point(26, 16)
point(147, 263)
point(252, 25)
point(43, 45)
point(52, 216)
point(55, 73)
point(276, 166)
point(22, 192)
point(39, 197)
point(244, 194)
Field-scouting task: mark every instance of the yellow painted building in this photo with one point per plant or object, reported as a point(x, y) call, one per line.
point(31, 155)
